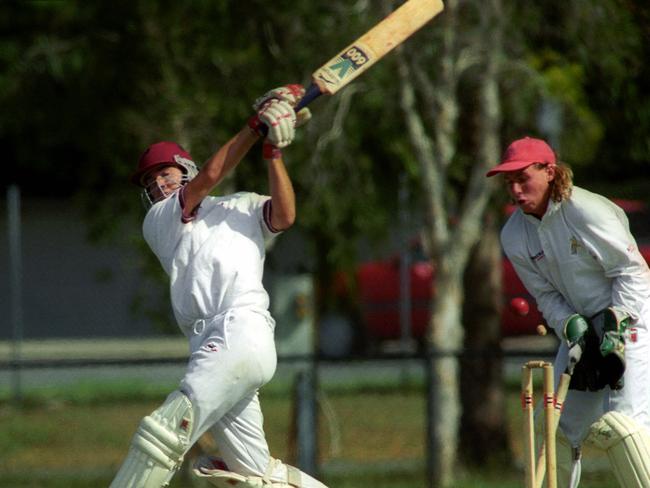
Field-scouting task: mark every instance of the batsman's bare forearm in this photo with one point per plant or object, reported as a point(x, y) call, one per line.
point(219, 165)
point(283, 209)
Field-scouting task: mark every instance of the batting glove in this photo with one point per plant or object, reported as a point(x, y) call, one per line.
point(276, 121)
point(280, 118)
point(292, 94)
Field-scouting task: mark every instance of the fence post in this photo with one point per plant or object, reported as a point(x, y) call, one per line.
point(15, 284)
point(307, 421)
point(295, 333)
point(406, 332)
point(431, 413)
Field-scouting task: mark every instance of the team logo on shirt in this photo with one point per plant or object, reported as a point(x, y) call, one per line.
point(574, 245)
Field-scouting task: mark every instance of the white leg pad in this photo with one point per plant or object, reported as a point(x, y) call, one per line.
point(158, 446)
point(215, 471)
point(627, 444)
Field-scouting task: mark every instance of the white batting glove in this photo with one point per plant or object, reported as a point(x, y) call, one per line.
point(280, 118)
point(287, 93)
point(292, 94)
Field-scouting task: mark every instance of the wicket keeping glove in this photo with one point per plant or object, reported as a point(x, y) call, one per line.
point(615, 323)
point(612, 345)
point(575, 330)
point(584, 357)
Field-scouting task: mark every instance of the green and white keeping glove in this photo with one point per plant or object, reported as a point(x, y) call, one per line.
point(575, 331)
point(612, 345)
point(584, 357)
point(615, 323)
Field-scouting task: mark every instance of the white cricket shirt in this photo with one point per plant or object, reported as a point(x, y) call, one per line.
point(579, 258)
point(216, 260)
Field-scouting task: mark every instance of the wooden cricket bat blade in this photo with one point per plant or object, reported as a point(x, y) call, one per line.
point(359, 56)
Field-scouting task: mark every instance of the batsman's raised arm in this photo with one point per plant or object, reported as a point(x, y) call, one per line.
point(283, 200)
point(274, 116)
point(218, 166)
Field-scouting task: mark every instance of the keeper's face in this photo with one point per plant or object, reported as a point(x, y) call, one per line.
point(159, 183)
point(530, 188)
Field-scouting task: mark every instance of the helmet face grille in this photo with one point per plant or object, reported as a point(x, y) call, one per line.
point(188, 165)
point(154, 192)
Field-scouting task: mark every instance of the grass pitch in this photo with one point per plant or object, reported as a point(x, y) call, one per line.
point(74, 426)
point(78, 435)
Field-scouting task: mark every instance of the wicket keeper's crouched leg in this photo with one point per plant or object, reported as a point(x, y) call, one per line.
point(624, 431)
point(627, 444)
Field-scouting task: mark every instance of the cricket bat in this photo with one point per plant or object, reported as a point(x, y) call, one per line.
point(359, 56)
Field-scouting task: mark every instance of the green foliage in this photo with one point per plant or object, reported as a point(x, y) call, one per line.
point(565, 85)
point(87, 85)
point(588, 57)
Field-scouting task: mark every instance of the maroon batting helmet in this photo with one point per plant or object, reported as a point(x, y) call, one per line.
point(164, 153)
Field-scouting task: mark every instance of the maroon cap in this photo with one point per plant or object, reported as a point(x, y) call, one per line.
point(522, 153)
point(159, 154)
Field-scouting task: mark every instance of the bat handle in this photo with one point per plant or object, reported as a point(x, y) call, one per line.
point(312, 93)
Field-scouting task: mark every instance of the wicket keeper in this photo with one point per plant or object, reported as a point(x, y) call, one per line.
point(574, 252)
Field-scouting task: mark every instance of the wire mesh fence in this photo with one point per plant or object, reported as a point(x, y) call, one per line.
point(336, 416)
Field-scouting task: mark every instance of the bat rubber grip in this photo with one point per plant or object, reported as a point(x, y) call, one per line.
point(311, 94)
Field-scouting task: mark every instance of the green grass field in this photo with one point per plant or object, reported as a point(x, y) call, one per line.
point(77, 436)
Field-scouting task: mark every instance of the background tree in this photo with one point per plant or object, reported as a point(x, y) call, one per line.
point(483, 437)
point(455, 195)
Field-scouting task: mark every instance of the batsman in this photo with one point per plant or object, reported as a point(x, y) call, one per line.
point(574, 252)
point(213, 250)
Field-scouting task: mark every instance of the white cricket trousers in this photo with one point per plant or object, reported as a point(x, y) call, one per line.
point(231, 356)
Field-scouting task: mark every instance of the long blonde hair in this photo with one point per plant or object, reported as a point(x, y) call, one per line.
point(562, 184)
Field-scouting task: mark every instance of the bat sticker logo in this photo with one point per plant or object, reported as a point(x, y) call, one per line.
point(329, 81)
point(370, 47)
point(352, 59)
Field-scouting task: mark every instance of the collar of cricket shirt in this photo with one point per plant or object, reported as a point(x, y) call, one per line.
point(551, 209)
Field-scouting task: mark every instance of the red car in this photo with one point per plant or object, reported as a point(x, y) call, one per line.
point(378, 285)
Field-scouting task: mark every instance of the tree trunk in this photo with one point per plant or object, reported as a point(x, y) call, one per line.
point(483, 435)
point(444, 398)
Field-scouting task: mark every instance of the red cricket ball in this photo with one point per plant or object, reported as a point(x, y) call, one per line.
point(519, 306)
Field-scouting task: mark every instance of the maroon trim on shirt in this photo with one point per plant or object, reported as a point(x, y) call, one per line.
point(186, 218)
point(266, 212)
